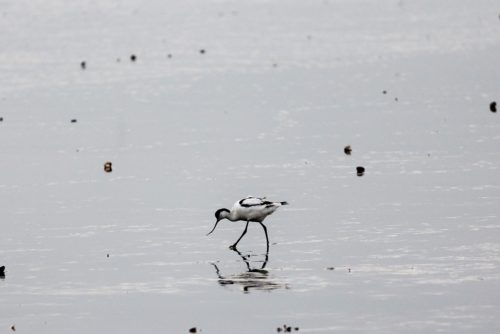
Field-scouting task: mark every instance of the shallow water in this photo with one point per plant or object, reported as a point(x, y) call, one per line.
point(410, 247)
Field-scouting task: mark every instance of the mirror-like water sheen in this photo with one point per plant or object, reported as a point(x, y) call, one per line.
point(411, 246)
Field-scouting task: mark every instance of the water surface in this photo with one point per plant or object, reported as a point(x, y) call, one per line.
point(410, 247)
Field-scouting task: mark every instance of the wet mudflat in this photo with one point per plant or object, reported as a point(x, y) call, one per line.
point(411, 246)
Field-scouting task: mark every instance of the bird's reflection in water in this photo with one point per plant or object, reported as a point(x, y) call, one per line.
point(252, 278)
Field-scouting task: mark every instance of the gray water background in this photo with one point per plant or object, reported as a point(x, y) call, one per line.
point(411, 247)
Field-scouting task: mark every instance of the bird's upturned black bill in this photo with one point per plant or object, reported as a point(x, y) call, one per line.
point(217, 222)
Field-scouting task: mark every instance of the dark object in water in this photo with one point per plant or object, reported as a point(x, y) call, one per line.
point(202, 51)
point(360, 170)
point(73, 120)
point(2, 271)
point(13, 328)
point(108, 168)
point(193, 330)
point(493, 106)
point(1, 119)
point(169, 55)
point(133, 57)
point(330, 268)
point(286, 328)
point(83, 65)
point(384, 92)
point(348, 150)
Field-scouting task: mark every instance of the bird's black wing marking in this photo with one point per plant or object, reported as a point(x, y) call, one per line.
point(253, 202)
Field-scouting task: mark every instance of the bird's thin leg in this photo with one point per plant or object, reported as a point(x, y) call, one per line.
point(241, 236)
point(265, 260)
point(267, 239)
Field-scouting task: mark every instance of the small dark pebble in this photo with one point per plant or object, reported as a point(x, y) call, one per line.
point(83, 65)
point(330, 268)
point(493, 106)
point(107, 255)
point(275, 65)
point(349, 270)
point(13, 328)
point(396, 99)
point(133, 57)
point(1, 119)
point(360, 170)
point(169, 55)
point(384, 92)
point(2, 271)
point(193, 330)
point(108, 167)
point(348, 150)
point(279, 329)
point(73, 120)
point(296, 328)
point(202, 51)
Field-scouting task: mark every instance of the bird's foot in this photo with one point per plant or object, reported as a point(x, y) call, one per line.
point(233, 247)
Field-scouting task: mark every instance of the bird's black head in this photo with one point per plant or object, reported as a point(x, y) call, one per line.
point(219, 215)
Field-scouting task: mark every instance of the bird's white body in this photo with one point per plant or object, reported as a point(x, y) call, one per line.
point(253, 209)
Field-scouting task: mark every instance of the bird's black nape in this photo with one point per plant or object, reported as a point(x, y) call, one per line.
point(218, 212)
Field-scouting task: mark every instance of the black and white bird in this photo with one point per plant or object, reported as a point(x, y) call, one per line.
point(250, 209)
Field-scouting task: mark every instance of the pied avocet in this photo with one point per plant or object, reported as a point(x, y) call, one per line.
point(250, 209)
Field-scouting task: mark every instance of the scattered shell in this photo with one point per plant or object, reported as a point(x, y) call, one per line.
point(493, 106)
point(108, 167)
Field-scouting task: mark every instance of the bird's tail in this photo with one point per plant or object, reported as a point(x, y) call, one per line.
point(284, 203)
